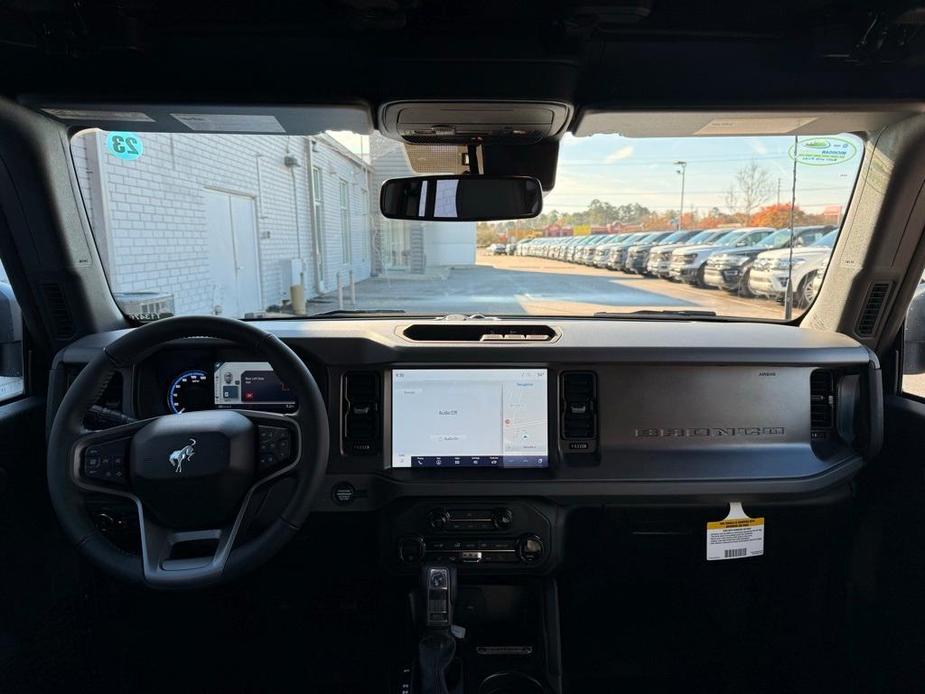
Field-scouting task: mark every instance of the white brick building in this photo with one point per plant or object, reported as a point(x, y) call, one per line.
point(224, 223)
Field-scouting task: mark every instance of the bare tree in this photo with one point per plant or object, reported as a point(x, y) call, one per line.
point(732, 199)
point(753, 186)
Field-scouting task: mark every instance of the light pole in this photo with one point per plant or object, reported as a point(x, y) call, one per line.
point(682, 171)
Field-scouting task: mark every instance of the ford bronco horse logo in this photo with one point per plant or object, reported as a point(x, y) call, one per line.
point(181, 455)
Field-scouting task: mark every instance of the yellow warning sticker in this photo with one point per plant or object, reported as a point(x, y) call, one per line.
point(736, 536)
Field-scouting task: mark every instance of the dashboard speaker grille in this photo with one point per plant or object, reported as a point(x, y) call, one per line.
point(869, 319)
point(822, 400)
point(361, 398)
point(579, 405)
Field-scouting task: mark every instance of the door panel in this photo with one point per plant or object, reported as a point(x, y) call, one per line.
point(244, 224)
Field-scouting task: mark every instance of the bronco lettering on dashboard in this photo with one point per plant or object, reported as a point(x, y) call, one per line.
point(706, 432)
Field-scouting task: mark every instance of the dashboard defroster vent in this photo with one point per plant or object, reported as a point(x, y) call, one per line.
point(362, 395)
point(821, 402)
point(579, 407)
point(479, 332)
point(874, 304)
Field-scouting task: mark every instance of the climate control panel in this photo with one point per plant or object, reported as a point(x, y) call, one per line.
point(513, 536)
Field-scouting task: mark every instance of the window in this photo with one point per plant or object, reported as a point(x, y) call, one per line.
point(758, 220)
point(12, 384)
point(318, 218)
point(346, 237)
point(364, 214)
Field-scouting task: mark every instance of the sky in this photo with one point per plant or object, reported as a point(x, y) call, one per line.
point(623, 170)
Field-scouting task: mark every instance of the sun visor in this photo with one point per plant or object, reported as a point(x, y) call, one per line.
point(679, 123)
point(210, 118)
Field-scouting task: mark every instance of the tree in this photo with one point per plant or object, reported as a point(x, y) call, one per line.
point(732, 199)
point(752, 187)
point(778, 216)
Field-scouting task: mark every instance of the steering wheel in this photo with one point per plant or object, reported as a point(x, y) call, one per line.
point(191, 476)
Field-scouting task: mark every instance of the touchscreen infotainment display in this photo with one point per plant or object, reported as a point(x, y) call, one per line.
point(495, 418)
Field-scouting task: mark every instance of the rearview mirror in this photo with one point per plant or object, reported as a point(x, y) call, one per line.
point(461, 198)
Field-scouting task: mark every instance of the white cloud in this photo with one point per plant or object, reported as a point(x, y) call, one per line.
point(622, 153)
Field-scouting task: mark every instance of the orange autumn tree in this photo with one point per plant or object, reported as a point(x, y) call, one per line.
point(778, 216)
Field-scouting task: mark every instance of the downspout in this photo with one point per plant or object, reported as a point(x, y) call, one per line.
point(316, 241)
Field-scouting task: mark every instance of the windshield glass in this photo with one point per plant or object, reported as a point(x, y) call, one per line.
point(278, 226)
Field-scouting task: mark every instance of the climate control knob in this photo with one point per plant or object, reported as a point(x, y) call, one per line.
point(530, 549)
point(501, 518)
point(438, 518)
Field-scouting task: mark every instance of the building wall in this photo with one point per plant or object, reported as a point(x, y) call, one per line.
point(431, 243)
point(449, 243)
point(149, 214)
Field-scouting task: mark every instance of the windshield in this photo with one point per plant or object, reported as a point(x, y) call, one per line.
point(279, 226)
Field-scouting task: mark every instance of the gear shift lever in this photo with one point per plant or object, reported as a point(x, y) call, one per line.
point(439, 594)
point(437, 646)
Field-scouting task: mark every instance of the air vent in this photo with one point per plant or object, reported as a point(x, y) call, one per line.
point(873, 308)
point(579, 406)
point(361, 398)
point(821, 402)
point(481, 332)
point(62, 323)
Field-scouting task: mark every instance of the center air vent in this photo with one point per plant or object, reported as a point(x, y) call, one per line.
point(361, 398)
point(578, 409)
point(821, 403)
point(448, 332)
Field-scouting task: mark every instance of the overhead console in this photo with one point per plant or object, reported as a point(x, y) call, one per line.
point(482, 122)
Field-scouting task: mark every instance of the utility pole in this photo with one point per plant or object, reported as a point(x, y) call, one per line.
point(683, 172)
point(778, 190)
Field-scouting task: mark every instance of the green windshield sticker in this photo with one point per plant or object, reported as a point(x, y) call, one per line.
point(823, 151)
point(124, 145)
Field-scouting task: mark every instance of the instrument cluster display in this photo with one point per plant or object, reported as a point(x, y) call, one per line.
point(231, 384)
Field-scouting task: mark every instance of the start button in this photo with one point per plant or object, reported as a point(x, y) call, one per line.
point(343, 493)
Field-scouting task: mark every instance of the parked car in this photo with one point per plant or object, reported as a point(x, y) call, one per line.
point(588, 250)
point(772, 270)
point(617, 257)
point(811, 282)
point(730, 269)
point(602, 253)
point(574, 250)
point(510, 249)
point(688, 263)
point(637, 256)
point(497, 249)
point(659, 262)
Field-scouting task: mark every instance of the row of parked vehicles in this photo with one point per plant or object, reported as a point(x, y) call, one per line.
point(748, 261)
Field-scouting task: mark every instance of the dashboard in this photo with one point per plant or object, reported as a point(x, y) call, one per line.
point(565, 410)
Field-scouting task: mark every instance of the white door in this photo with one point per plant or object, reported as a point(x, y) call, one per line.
point(232, 232)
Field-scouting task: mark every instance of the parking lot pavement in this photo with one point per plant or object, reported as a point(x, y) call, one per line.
point(654, 293)
point(514, 285)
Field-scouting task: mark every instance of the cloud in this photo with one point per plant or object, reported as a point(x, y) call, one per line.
point(622, 153)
